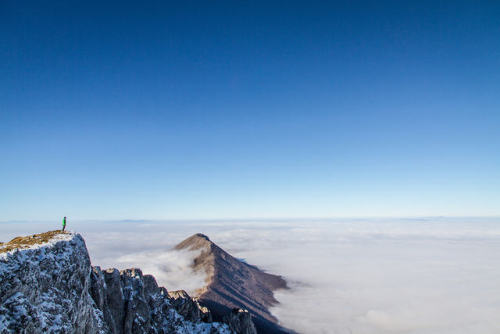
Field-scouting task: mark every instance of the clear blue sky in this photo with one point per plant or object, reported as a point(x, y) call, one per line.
point(249, 109)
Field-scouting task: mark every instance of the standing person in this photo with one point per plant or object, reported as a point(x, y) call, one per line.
point(64, 223)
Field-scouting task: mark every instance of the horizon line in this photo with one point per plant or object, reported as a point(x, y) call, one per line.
point(242, 219)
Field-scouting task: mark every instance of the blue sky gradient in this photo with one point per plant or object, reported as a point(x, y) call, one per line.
point(249, 109)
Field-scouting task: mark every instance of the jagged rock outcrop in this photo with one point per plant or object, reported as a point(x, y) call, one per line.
point(47, 285)
point(134, 303)
point(240, 321)
point(189, 308)
point(233, 284)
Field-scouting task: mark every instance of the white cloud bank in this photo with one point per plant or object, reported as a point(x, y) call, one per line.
point(356, 276)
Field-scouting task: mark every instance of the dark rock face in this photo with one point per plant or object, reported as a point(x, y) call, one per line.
point(107, 299)
point(233, 284)
point(188, 307)
point(240, 321)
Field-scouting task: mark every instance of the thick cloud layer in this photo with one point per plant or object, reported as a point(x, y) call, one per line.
point(347, 276)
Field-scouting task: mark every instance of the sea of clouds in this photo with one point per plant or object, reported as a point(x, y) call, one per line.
point(421, 276)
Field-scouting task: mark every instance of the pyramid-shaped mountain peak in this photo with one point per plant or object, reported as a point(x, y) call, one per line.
point(231, 283)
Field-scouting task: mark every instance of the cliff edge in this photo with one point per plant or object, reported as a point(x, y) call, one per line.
point(44, 286)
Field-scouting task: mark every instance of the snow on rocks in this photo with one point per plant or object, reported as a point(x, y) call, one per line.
point(44, 288)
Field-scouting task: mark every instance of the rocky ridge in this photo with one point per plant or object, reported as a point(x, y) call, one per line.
point(234, 284)
point(49, 286)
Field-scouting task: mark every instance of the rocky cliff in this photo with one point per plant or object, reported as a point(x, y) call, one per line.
point(47, 285)
point(233, 284)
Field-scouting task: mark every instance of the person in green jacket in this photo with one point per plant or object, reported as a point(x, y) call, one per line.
point(64, 223)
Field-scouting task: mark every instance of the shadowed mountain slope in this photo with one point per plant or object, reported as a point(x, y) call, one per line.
point(231, 283)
